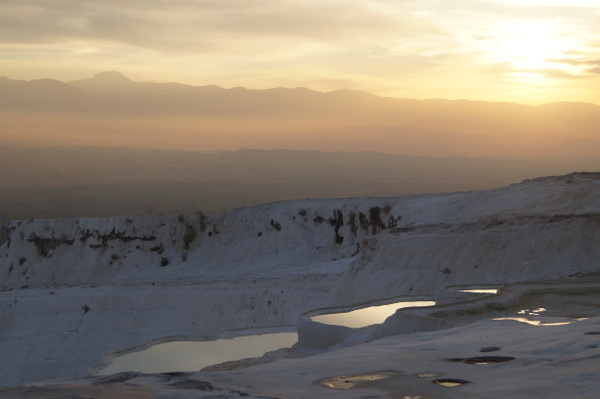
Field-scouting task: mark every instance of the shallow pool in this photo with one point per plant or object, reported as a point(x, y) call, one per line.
point(367, 316)
point(191, 356)
point(480, 290)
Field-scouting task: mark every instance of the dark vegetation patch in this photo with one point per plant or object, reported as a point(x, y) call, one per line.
point(352, 222)
point(275, 224)
point(191, 383)
point(337, 221)
point(113, 235)
point(117, 378)
point(482, 359)
point(172, 374)
point(164, 261)
point(489, 349)
point(4, 235)
point(159, 249)
point(46, 245)
point(189, 236)
point(202, 220)
point(375, 219)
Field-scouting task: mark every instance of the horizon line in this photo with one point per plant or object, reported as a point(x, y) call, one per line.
point(95, 76)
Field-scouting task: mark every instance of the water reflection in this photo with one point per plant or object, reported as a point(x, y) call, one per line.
point(367, 316)
point(481, 290)
point(535, 312)
point(538, 322)
point(195, 355)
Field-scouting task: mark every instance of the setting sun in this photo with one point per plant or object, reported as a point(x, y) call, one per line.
point(408, 49)
point(531, 47)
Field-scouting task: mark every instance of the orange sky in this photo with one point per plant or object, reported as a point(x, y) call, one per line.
point(498, 50)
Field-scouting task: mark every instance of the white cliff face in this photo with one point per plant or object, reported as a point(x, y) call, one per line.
point(76, 290)
point(268, 238)
point(541, 229)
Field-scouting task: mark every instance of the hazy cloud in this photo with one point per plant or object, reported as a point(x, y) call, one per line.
point(193, 25)
point(377, 45)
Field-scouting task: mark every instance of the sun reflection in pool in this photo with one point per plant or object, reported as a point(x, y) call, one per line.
point(367, 316)
point(195, 355)
point(481, 290)
point(538, 322)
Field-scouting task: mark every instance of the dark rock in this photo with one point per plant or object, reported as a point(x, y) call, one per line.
point(116, 378)
point(489, 349)
point(191, 383)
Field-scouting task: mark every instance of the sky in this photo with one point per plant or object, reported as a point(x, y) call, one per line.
point(531, 52)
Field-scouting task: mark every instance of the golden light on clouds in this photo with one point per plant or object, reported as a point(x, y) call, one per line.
point(531, 46)
point(506, 50)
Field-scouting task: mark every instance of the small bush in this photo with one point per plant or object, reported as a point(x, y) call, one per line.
point(275, 225)
point(375, 219)
point(189, 236)
point(318, 219)
point(202, 218)
point(159, 249)
point(164, 261)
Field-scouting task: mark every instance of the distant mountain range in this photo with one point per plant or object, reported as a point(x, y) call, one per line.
point(214, 118)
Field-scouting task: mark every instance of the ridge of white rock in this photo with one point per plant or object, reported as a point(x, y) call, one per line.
point(121, 250)
point(75, 290)
point(538, 230)
point(78, 289)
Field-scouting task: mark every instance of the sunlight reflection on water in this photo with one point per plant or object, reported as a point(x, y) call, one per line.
point(538, 322)
point(367, 316)
point(481, 291)
point(195, 355)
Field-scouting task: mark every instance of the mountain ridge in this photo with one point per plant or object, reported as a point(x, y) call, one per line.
point(116, 77)
point(210, 118)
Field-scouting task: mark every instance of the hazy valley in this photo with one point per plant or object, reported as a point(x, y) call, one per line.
point(109, 146)
point(111, 110)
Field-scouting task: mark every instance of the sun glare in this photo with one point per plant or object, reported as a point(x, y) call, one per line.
point(530, 48)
